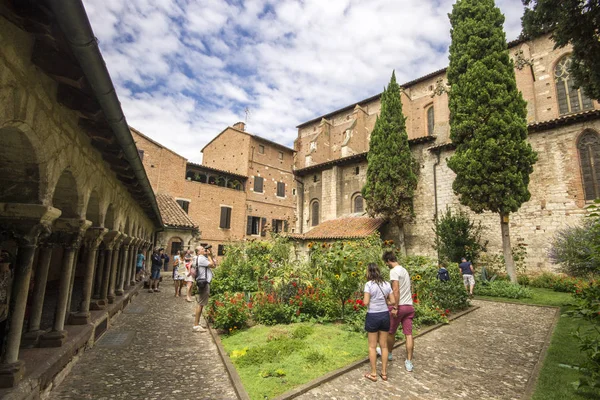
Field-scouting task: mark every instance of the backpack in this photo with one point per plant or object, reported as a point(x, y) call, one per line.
point(443, 275)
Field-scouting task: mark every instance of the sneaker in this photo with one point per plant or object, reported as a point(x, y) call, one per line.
point(390, 356)
point(409, 365)
point(198, 328)
point(157, 290)
point(378, 350)
point(150, 291)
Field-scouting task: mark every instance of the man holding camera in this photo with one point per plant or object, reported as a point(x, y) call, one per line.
point(203, 267)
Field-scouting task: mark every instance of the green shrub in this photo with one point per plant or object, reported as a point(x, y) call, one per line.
point(315, 357)
point(575, 249)
point(429, 315)
point(269, 352)
point(503, 289)
point(268, 310)
point(228, 312)
point(457, 236)
point(302, 331)
point(558, 283)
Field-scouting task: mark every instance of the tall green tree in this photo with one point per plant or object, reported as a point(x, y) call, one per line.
point(574, 22)
point(488, 125)
point(391, 171)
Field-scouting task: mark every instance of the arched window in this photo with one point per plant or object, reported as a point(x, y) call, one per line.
point(589, 157)
point(430, 121)
point(314, 213)
point(570, 100)
point(358, 204)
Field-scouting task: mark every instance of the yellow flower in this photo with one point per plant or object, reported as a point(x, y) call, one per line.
point(418, 277)
point(353, 274)
point(337, 276)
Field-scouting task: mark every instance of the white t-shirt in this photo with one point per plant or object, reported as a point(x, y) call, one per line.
point(200, 262)
point(400, 274)
point(377, 301)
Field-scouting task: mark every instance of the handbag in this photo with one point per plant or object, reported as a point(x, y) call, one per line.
point(201, 282)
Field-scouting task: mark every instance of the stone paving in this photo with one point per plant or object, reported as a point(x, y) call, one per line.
point(150, 353)
point(487, 354)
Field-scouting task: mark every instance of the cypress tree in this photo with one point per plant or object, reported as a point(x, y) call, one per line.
point(488, 118)
point(392, 171)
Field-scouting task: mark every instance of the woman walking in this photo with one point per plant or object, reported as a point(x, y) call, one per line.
point(179, 272)
point(189, 277)
point(377, 295)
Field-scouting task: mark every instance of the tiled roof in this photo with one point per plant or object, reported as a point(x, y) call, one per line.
point(172, 214)
point(345, 228)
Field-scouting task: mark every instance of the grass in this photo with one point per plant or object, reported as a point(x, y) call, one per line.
point(556, 376)
point(273, 360)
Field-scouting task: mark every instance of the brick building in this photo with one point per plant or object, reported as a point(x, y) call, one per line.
point(242, 189)
point(564, 127)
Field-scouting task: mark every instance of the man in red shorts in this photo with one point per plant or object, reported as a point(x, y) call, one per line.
point(400, 281)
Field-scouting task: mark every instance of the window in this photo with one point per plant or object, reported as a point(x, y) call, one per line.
point(356, 170)
point(253, 226)
point(430, 121)
point(358, 204)
point(293, 191)
point(184, 204)
point(175, 247)
point(258, 184)
point(314, 210)
point(225, 222)
point(280, 189)
point(589, 157)
point(570, 100)
point(141, 154)
point(221, 250)
point(316, 178)
point(261, 149)
point(281, 155)
point(279, 225)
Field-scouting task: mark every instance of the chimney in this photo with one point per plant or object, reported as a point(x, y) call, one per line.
point(240, 126)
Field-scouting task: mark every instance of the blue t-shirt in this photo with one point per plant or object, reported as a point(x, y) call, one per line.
point(140, 260)
point(465, 268)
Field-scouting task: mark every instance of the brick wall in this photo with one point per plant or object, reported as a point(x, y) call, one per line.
point(228, 151)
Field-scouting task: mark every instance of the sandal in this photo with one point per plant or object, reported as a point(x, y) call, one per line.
point(383, 377)
point(372, 378)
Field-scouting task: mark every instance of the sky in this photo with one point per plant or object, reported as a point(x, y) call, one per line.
point(184, 70)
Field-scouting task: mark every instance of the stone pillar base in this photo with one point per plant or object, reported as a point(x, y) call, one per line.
point(119, 292)
point(98, 305)
point(53, 339)
point(111, 299)
point(31, 338)
point(80, 318)
point(132, 283)
point(11, 374)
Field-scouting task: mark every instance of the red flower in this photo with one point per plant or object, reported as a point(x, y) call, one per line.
point(294, 284)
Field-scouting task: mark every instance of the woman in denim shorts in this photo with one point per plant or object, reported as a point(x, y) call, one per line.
point(377, 295)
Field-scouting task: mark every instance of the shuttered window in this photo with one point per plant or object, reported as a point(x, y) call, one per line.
point(280, 189)
point(570, 100)
point(589, 156)
point(225, 221)
point(221, 250)
point(314, 213)
point(253, 226)
point(185, 205)
point(258, 184)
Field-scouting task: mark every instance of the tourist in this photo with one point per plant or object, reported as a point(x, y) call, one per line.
point(466, 269)
point(443, 274)
point(189, 276)
point(400, 282)
point(377, 295)
point(203, 271)
point(166, 260)
point(139, 265)
point(179, 272)
point(157, 263)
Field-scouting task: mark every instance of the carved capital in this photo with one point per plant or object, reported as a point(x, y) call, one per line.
point(69, 232)
point(94, 236)
point(111, 239)
point(26, 223)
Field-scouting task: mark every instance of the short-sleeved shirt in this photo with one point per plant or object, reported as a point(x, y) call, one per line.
point(202, 270)
point(465, 268)
point(140, 259)
point(400, 274)
point(378, 292)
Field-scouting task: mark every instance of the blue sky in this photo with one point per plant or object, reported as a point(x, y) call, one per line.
point(184, 69)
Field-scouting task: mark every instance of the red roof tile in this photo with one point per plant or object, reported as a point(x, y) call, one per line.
point(345, 228)
point(172, 214)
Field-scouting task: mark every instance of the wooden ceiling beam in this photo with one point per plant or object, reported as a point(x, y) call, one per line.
point(58, 65)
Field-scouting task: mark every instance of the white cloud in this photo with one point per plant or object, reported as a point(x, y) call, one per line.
point(185, 69)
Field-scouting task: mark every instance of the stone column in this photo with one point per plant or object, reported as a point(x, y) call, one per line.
point(30, 338)
point(110, 240)
point(123, 266)
point(114, 269)
point(23, 223)
point(99, 274)
point(136, 249)
point(93, 238)
point(68, 232)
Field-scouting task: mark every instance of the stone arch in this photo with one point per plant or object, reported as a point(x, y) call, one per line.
point(358, 203)
point(175, 244)
point(19, 167)
point(66, 195)
point(127, 227)
point(569, 99)
point(314, 212)
point(93, 209)
point(109, 218)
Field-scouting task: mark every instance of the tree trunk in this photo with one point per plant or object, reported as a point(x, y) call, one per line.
point(395, 232)
point(506, 248)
